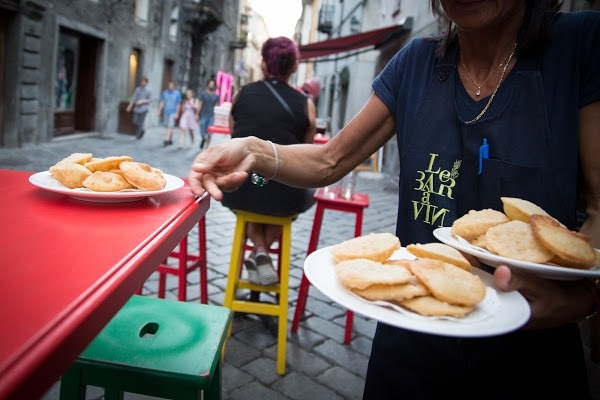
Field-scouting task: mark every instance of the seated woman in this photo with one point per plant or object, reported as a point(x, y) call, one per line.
point(272, 110)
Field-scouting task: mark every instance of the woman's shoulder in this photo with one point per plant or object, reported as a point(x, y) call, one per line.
point(418, 53)
point(574, 21)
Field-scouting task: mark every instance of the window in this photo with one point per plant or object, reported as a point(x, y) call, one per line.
point(173, 23)
point(141, 12)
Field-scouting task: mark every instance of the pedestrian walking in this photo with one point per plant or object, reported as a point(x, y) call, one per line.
point(139, 103)
point(188, 121)
point(168, 109)
point(208, 100)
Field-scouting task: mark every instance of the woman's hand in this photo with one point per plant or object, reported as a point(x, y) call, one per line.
point(552, 302)
point(221, 168)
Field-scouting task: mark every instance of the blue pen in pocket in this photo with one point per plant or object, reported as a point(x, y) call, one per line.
point(484, 152)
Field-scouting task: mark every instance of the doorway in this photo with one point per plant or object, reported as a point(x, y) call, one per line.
point(167, 74)
point(75, 83)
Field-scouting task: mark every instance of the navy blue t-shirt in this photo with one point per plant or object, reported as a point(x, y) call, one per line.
point(570, 79)
point(570, 73)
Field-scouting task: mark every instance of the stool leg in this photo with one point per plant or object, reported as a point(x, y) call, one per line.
point(285, 244)
point(305, 284)
point(348, 331)
point(182, 272)
point(71, 385)
point(234, 264)
point(203, 261)
point(113, 394)
point(214, 391)
point(162, 281)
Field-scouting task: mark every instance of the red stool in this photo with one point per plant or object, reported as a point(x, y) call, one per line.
point(186, 263)
point(356, 205)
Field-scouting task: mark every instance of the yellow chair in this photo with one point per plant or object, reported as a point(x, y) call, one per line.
point(234, 282)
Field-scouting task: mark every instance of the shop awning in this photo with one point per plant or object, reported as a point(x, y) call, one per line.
point(375, 38)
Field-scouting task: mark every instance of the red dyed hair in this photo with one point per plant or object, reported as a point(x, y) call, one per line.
point(280, 55)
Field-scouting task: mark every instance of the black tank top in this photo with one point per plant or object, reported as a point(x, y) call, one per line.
point(257, 112)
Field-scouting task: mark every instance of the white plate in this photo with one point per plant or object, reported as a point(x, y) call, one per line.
point(500, 313)
point(45, 181)
point(548, 271)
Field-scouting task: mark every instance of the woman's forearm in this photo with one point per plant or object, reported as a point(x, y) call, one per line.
point(310, 165)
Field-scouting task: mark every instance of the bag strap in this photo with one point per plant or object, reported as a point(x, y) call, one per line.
point(281, 100)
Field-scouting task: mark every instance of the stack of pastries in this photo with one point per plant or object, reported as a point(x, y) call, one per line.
point(109, 174)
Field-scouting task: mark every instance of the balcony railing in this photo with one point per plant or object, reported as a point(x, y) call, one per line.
point(326, 14)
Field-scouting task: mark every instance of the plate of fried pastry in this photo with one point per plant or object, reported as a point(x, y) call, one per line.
point(108, 180)
point(428, 288)
point(525, 237)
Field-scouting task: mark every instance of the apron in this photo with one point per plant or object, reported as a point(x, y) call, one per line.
point(439, 182)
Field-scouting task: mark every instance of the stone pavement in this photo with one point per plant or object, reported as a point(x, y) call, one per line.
point(319, 365)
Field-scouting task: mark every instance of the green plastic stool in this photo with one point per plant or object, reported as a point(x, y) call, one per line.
point(155, 347)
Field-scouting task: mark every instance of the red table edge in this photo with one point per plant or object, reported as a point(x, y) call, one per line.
point(55, 350)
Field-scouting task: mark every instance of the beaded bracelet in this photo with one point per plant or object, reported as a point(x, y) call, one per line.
point(258, 179)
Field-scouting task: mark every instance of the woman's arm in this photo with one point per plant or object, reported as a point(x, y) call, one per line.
point(556, 302)
point(225, 167)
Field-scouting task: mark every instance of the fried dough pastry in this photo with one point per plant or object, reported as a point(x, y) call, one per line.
point(439, 251)
point(430, 306)
point(519, 209)
point(516, 240)
point(571, 249)
point(143, 176)
point(70, 174)
point(398, 293)
point(106, 182)
point(362, 273)
point(77, 158)
point(106, 164)
point(374, 246)
point(448, 282)
point(476, 223)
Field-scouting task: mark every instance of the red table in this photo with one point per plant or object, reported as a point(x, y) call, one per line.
point(68, 267)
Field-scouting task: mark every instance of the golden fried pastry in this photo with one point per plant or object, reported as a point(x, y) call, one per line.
point(106, 164)
point(439, 251)
point(375, 247)
point(570, 248)
point(476, 223)
point(480, 241)
point(397, 293)
point(519, 209)
point(77, 158)
point(515, 239)
point(70, 174)
point(448, 282)
point(362, 273)
point(142, 176)
point(430, 306)
point(106, 182)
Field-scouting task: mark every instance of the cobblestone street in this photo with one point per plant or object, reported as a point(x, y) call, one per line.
point(319, 365)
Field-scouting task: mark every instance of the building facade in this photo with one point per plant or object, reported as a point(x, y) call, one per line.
point(69, 66)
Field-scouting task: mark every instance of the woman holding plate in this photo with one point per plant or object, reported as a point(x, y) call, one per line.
point(505, 103)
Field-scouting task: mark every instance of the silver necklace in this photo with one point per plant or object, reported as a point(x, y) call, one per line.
point(492, 73)
point(512, 53)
